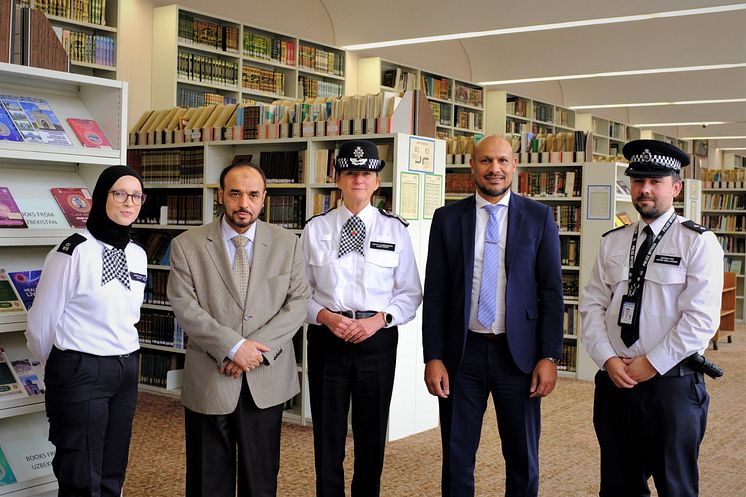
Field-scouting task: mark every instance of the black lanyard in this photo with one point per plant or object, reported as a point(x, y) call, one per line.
point(635, 285)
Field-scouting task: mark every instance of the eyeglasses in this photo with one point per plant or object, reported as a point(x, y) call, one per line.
point(120, 196)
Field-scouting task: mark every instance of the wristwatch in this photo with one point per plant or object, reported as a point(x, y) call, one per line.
point(553, 360)
point(388, 318)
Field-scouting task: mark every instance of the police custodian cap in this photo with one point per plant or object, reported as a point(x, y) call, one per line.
point(358, 155)
point(653, 158)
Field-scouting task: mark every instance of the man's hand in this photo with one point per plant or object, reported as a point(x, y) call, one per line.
point(639, 368)
point(544, 378)
point(362, 329)
point(230, 368)
point(619, 373)
point(436, 378)
point(337, 323)
point(249, 355)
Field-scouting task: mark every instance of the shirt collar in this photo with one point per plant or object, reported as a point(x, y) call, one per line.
point(229, 232)
point(656, 225)
point(481, 202)
point(366, 214)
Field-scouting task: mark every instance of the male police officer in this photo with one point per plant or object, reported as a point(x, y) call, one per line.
point(652, 304)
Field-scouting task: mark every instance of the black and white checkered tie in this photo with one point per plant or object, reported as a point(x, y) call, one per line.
point(353, 236)
point(115, 267)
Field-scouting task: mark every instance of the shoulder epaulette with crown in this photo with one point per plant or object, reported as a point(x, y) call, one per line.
point(391, 214)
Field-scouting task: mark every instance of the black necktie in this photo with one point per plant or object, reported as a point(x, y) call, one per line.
point(631, 333)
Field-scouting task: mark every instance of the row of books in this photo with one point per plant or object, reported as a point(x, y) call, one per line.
point(441, 113)
point(181, 208)
point(723, 178)
point(469, 119)
point(322, 202)
point(20, 377)
point(170, 166)
point(207, 69)
point(157, 245)
point(154, 367)
point(569, 141)
point(567, 217)
point(155, 288)
point(257, 78)
point(400, 80)
point(726, 201)
point(570, 251)
point(160, 328)
point(571, 285)
point(194, 30)
point(286, 211)
point(282, 166)
point(74, 203)
point(733, 265)
point(568, 362)
point(543, 112)
point(188, 97)
point(724, 223)
point(460, 182)
point(571, 319)
point(91, 11)
point(32, 120)
point(732, 243)
point(436, 87)
point(321, 60)
point(618, 131)
point(312, 88)
point(266, 47)
point(89, 48)
point(550, 183)
point(468, 95)
point(517, 106)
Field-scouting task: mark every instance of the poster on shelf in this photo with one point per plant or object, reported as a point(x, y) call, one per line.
point(10, 214)
point(35, 120)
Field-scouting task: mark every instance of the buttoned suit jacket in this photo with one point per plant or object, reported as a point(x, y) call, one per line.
point(533, 296)
point(208, 305)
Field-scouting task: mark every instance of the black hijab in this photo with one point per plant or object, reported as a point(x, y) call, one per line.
point(99, 223)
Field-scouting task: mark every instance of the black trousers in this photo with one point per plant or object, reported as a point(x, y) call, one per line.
point(653, 429)
point(488, 368)
point(340, 372)
point(90, 403)
point(213, 440)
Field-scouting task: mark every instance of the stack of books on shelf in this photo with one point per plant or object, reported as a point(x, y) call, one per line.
point(545, 148)
point(188, 97)
point(201, 32)
point(567, 217)
point(89, 48)
point(155, 366)
point(155, 288)
point(282, 167)
point(320, 60)
point(459, 150)
point(726, 201)
point(157, 245)
point(570, 285)
point(723, 178)
point(207, 69)
point(170, 166)
point(568, 362)
point(179, 208)
point(436, 87)
point(312, 88)
point(160, 328)
point(469, 95)
point(90, 11)
point(286, 211)
point(549, 183)
point(570, 251)
point(571, 318)
point(266, 80)
point(400, 80)
point(265, 47)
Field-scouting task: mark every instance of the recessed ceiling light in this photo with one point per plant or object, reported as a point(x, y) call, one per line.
point(732, 148)
point(631, 72)
point(734, 137)
point(550, 26)
point(692, 123)
point(659, 104)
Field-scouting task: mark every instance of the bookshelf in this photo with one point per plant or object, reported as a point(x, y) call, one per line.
point(458, 106)
point(241, 62)
point(727, 310)
point(299, 185)
point(88, 32)
point(723, 201)
point(510, 113)
point(608, 136)
point(685, 145)
point(29, 171)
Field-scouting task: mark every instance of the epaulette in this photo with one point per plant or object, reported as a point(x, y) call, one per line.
point(694, 226)
point(322, 214)
point(391, 214)
point(616, 229)
point(69, 244)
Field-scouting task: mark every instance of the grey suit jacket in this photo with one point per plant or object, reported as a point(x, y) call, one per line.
point(207, 305)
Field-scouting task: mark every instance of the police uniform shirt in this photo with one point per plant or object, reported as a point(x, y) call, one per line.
point(480, 232)
point(680, 307)
point(384, 279)
point(73, 311)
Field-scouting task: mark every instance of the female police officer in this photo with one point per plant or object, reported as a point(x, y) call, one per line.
point(362, 271)
point(82, 324)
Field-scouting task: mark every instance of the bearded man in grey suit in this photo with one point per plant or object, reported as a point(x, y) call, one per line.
point(238, 288)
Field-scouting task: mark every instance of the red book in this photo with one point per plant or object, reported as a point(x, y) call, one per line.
point(75, 204)
point(88, 132)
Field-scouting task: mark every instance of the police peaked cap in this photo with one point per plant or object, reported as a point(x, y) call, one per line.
point(653, 158)
point(358, 155)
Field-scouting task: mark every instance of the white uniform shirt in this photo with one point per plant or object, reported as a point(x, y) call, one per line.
point(384, 279)
point(72, 311)
point(680, 308)
point(480, 232)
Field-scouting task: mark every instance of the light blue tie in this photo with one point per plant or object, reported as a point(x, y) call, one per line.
point(490, 265)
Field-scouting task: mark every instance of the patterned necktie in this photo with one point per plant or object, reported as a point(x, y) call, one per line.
point(353, 236)
point(115, 267)
point(241, 267)
point(631, 333)
point(491, 263)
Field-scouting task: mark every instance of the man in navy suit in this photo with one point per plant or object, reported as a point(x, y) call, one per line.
point(492, 321)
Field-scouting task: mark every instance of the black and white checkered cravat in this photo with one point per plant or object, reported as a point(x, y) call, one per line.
point(353, 236)
point(115, 267)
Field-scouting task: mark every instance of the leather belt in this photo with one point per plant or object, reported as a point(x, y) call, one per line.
point(356, 314)
point(681, 369)
point(492, 337)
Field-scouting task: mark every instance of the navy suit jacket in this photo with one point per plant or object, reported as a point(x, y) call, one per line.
point(533, 299)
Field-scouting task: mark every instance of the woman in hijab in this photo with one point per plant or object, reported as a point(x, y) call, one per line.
point(82, 325)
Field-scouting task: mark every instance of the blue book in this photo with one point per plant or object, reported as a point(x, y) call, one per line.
point(8, 130)
point(25, 283)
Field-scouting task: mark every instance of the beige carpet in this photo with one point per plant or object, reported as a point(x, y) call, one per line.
point(569, 453)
